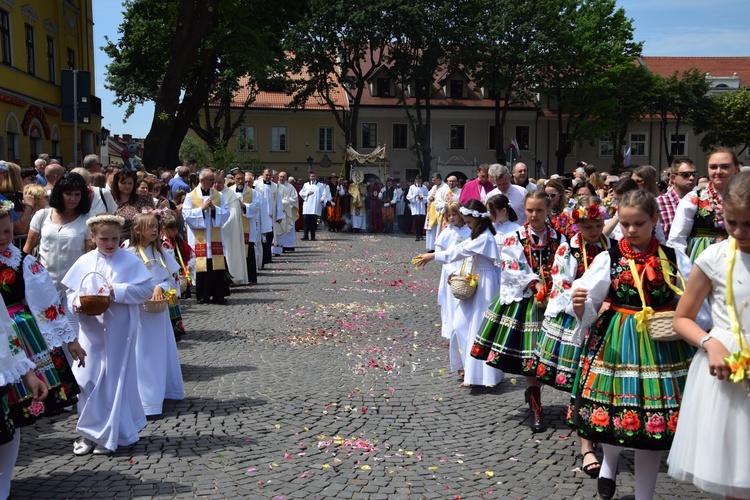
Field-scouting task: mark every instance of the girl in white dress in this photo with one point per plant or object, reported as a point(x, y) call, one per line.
point(482, 250)
point(109, 408)
point(713, 433)
point(157, 361)
point(455, 233)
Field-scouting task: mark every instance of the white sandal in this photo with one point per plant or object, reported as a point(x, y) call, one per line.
point(83, 446)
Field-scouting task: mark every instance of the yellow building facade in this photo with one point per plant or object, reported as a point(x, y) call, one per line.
point(38, 40)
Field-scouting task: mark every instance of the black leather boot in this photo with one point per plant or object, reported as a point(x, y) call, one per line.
point(534, 399)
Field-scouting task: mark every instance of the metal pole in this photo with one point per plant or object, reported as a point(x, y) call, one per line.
point(75, 117)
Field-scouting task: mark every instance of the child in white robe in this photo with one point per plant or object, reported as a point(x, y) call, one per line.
point(481, 249)
point(455, 233)
point(157, 361)
point(109, 407)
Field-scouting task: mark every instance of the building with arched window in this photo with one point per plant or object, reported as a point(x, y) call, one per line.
point(38, 40)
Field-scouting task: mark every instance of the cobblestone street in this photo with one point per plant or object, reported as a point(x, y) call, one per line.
point(328, 379)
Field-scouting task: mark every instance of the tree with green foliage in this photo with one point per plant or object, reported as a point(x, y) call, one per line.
point(423, 44)
point(501, 56)
point(582, 39)
point(174, 52)
point(680, 98)
point(621, 96)
point(339, 46)
point(727, 123)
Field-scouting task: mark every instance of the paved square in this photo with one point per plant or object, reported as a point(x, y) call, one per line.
point(327, 379)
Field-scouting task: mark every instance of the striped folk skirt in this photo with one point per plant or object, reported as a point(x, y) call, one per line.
point(556, 356)
point(508, 335)
point(628, 388)
point(51, 366)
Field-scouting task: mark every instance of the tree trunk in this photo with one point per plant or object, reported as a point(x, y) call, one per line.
point(562, 144)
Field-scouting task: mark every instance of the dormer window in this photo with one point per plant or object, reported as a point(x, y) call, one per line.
point(456, 89)
point(384, 87)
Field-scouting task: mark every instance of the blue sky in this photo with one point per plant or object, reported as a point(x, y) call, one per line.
point(668, 28)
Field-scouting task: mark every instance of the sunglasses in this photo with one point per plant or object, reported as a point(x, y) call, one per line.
point(687, 175)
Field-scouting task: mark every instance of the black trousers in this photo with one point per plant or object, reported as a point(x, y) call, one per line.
point(418, 225)
point(311, 224)
point(252, 268)
point(211, 284)
point(267, 247)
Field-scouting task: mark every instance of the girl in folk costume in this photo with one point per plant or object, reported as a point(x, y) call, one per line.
point(180, 251)
point(109, 407)
point(508, 334)
point(455, 233)
point(41, 327)
point(558, 348)
point(15, 366)
point(157, 361)
point(628, 387)
point(558, 218)
point(480, 253)
point(713, 434)
point(699, 217)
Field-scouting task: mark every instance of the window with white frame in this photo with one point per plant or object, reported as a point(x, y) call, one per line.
point(51, 67)
point(571, 145)
point(400, 136)
point(279, 139)
point(678, 144)
point(523, 137)
point(606, 146)
point(325, 139)
point(30, 51)
point(639, 144)
point(491, 143)
point(5, 36)
point(369, 135)
point(458, 137)
point(246, 139)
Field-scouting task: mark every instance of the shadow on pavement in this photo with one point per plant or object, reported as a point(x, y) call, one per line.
point(94, 484)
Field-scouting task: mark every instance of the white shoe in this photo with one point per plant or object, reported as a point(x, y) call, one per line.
point(101, 450)
point(83, 446)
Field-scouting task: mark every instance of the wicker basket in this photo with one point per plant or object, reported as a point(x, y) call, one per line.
point(660, 327)
point(183, 284)
point(461, 285)
point(93, 305)
point(659, 324)
point(155, 306)
point(461, 288)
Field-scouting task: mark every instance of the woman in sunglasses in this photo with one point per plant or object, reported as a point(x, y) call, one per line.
point(699, 217)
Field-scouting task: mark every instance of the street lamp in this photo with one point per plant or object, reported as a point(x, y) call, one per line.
point(309, 163)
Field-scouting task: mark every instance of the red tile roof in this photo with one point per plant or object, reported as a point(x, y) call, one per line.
point(280, 100)
point(717, 66)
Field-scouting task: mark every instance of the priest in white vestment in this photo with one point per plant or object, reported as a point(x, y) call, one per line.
point(234, 244)
point(417, 198)
point(205, 212)
point(250, 201)
point(314, 198)
point(274, 210)
point(449, 192)
point(284, 230)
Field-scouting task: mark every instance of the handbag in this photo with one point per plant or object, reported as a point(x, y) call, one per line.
point(464, 285)
point(658, 324)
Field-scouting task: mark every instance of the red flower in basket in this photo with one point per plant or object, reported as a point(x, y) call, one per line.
point(7, 276)
point(51, 313)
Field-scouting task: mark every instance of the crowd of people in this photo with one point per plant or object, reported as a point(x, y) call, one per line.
point(581, 289)
point(567, 279)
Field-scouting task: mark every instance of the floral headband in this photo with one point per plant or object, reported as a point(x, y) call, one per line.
point(5, 207)
point(115, 219)
point(473, 213)
point(159, 212)
point(592, 212)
